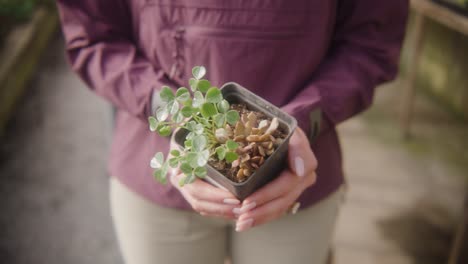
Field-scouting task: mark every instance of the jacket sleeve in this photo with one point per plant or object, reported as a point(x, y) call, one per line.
point(98, 36)
point(364, 51)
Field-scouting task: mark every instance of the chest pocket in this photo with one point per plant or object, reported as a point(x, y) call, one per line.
point(223, 35)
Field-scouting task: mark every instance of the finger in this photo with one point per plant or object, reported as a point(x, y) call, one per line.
point(269, 211)
point(301, 159)
point(201, 190)
point(276, 188)
point(204, 191)
point(213, 209)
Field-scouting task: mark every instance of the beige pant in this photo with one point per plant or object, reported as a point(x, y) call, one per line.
point(150, 234)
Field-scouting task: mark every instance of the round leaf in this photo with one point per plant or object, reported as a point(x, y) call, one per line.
point(203, 85)
point(175, 153)
point(208, 110)
point(164, 131)
point(193, 84)
point(198, 72)
point(213, 95)
point(202, 157)
point(166, 94)
point(182, 94)
point(160, 176)
point(221, 152)
point(153, 123)
point(178, 117)
point(223, 106)
point(231, 156)
point(174, 162)
point(200, 172)
point(199, 143)
point(185, 168)
point(198, 99)
point(157, 161)
point(189, 178)
point(162, 113)
point(198, 129)
point(173, 107)
point(232, 117)
point(231, 145)
point(219, 120)
point(186, 111)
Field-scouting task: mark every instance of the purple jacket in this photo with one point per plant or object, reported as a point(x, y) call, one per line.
point(300, 55)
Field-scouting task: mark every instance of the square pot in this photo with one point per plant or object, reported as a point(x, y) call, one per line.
point(234, 93)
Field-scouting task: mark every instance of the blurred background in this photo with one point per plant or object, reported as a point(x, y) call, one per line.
point(406, 158)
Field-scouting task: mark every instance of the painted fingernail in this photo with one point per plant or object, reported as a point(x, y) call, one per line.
point(231, 201)
point(299, 164)
point(248, 207)
point(244, 225)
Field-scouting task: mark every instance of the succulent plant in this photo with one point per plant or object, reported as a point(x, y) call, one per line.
point(231, 138)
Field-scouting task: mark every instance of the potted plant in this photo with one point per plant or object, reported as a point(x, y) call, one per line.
point(230, 137)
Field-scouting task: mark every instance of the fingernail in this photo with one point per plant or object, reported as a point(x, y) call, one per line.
point(236, 211)
point(244, 225)
point(247, 207)
point(231, 201)
point(299, 164)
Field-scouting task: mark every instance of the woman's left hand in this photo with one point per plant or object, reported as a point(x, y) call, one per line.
point(276, 198)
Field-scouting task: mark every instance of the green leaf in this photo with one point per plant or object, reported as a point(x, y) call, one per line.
point(175, 153)
point(182, 181)
point(185, 168)
point(153, 123)
point(192, 159)
point(198, 72)
point(186, 111)
point(198, 129)
point(164, 131)
point(199, 143)
point(221, 152)
point(188, 143)
point(178, 117)
point(162, 113)
point(160, 176)
point(174, 162)
point(232, 117)
point(166, 94)
point(208, 110)
point(223, 106)
point(219, 120)
point(200, 172)
point(193, 84)
point(173, 107)
point(190, 178)
point(231, 156)
point(203, 85)
point(157, 161)
point(202, 158)
point(188, 102)
point(231, 145)
point(198, 99)
point(182, 94)
point(213, 95)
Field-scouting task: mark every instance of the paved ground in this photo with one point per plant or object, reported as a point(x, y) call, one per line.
point(53, 185)
point(401, 207)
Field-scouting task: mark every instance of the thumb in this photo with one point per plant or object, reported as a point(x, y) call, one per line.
point(301, 159)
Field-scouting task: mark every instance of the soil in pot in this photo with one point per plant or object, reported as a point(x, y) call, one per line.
point(257, 136)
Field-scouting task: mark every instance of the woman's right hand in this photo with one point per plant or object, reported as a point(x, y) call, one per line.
point(205, 198)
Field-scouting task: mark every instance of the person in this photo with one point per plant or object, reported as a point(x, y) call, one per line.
point(300, 55)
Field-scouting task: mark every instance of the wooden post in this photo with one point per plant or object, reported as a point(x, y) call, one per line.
point(409, 93)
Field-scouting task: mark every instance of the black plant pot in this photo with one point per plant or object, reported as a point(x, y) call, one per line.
point(234, 93)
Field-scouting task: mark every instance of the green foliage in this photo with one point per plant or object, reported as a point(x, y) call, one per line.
point(201, 111)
